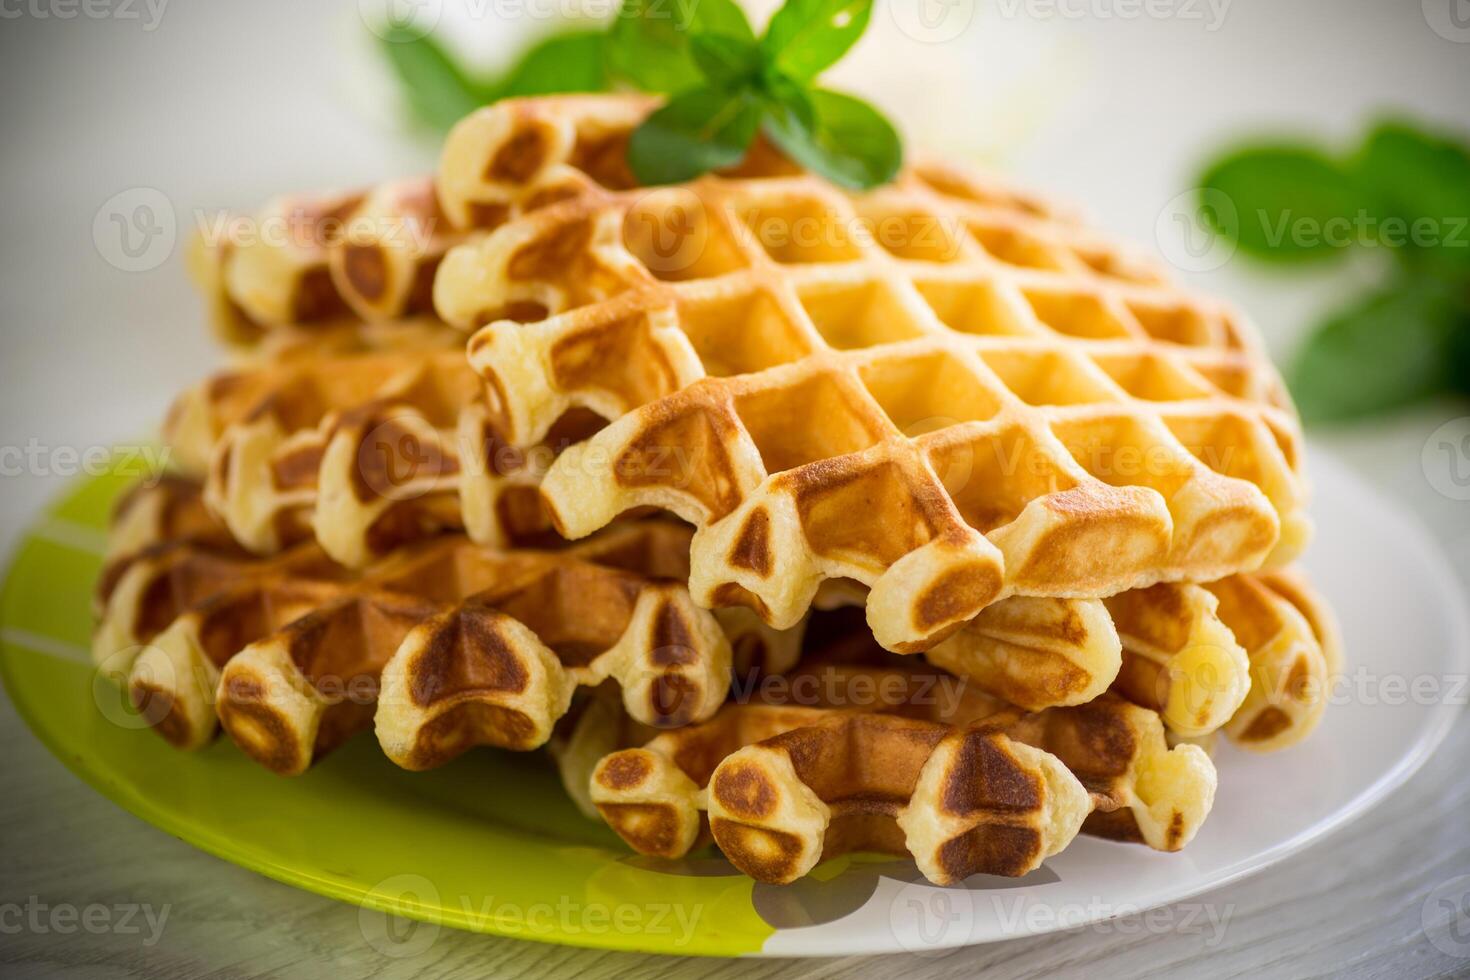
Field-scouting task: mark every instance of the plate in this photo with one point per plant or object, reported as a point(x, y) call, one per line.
point(490, 842)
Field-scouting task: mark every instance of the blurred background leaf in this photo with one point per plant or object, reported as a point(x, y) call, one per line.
point(1381, 352)
point(570, 62)
point(438, 91)
point(1418, 177)
point(1275, 186)
point(649, 40)
point(1404, 190)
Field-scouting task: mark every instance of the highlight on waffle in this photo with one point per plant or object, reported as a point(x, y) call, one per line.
point(650, 430)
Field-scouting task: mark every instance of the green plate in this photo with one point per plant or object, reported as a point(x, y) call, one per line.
point(489, 842)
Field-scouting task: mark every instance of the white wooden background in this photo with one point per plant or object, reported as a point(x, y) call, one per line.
point(226, 104)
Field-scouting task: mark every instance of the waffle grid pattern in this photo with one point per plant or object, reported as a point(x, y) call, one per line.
point(473, 646)
point(363, 451)
point(776, 778)
point(1078, 388)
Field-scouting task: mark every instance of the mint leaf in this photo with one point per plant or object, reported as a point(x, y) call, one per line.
point(805, 37)
point(648, 43)
point(1418, 185)
point(1392, 349)
point(696, 131)
point(570, 62)
point(1290, 202)
point(841, 138)
point(727, 62)
point(438, 92)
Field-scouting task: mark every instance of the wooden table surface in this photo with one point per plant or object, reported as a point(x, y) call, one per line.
point(90, 353)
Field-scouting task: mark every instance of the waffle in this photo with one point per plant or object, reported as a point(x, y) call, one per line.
point(278, 433)
point(523, 154)
point(363, 450)
point(872, 758)
point(319, 261)
point(170, 508)
point(1251, 655)
point(1264, 643)
point(1033, 653)
point(1295, 653)
point(1022, 407)
point(467, 645)
point(1256, 667)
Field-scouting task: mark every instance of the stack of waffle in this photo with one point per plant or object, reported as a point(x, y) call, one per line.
point(925, 521)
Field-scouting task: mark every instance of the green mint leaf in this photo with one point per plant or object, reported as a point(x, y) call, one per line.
point(648, 43)
point(696, 131)
point(1287, 202)
point(788, 104)
point(805, 37)
point(437, 90)
point(837, 136)
point(570, 62)
point(1390, 350)
point(1460, 353)
point(1418, 189)
point(727, 62)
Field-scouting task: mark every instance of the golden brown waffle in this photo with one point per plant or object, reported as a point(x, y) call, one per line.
point(1296, 652)
point(276, 432)
point(1020, 406)
point(1033, 653)
point(317, 262)
point(1256, 665)
point(170, 508)
point(1030, 651)
point(523, 154)
point(1184, 647)
point(473, 646)
point(905, 759)
point(789, 785)
point(364, 451)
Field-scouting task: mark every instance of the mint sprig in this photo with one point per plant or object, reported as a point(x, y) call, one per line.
point(725, 86)
point(696, 131)
point(1404, 191)
point(648, 44)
